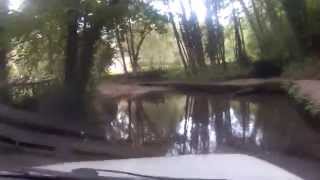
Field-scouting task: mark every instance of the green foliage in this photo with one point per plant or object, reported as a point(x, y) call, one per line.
point(160, 52)
point(272, 31)
point(36, 37)
point(145, 16)
point(102, 61)
point(133, 29)
point(313, 10)
point(37, 45)
point(38, 54)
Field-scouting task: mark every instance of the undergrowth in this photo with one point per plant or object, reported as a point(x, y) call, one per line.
point(213, 73)
point(306, 69)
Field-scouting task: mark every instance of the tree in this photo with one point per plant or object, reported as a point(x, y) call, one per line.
point(273, 33)
point(72, 32)
point(192, 37)
point(160, 52)
point(86, 22)
point(38, 39)
point(76, 26)
point(179, 41)
point(4, 43)
point(140, 22)
point(215, 33)
point(71, 49)
point(119, 40)
point(297, 14)
point(239, 49)
point(255, 23)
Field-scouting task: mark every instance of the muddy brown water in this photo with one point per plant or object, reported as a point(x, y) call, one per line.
point(266, 126)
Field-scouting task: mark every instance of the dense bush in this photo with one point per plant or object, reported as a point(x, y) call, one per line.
point(267, 69)
point(27, 104)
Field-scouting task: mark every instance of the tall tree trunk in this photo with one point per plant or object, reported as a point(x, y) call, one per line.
point(190, 58)
point(240, 52)
point(71, 53)
point(197, 39)
point(134, 61)
point(222, 48)
point(179, 42)
point(129, 48)
point(135, 65)
point(220, 35)
point(118, 37)
point(50, 52)
point(255, 23)
point(215, 39)
point(71, 95)
point(3, 74)
point(90, 37)
point(192, 38)
point(4, 12)
point(134, 48)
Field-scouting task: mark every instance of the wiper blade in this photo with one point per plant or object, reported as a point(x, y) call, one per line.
point(139, 175)
point(33, 175)
point(83, 174)
point(42, 175)
point(25, 175)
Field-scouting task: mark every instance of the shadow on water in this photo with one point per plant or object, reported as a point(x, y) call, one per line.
point(264, 126)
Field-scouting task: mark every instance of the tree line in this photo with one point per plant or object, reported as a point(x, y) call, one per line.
point(76, 40)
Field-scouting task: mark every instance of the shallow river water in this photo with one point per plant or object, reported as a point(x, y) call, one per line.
point(265, 126)
point(200, 124)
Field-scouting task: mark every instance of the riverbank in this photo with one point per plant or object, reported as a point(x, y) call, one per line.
point(307, 95)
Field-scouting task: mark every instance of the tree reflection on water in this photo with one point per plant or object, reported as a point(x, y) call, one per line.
point(200, 124)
